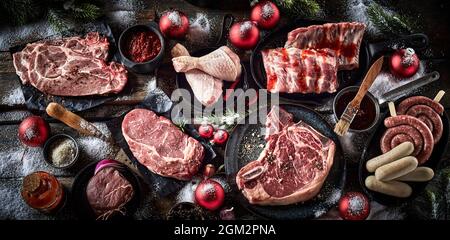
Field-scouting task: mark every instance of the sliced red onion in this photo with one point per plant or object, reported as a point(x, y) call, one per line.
point(106, 163)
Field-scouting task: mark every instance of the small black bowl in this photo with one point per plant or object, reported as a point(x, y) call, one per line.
point(55, 138)
point(142, 67)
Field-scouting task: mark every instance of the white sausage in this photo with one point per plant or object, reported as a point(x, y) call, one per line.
point(402, 150)
point(396, 169)
point(392, 188)
point(420, 174)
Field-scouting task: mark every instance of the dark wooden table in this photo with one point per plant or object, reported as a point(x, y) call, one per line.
point(17, 160)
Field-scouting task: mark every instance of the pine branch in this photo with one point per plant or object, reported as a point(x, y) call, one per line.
point(86, 12)
point(58, 20)
point(388, 22)
point(19, 12)
point(299, 8)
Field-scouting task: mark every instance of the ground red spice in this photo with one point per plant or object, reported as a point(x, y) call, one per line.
point(142, 46)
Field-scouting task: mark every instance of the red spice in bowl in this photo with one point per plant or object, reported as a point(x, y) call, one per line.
point(141, 46)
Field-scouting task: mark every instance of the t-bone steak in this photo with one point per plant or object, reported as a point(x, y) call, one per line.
point(161, 146)
point(73, 66)
point(108, 192)
point(293, 70)
point(344, 38)
point(293, 165)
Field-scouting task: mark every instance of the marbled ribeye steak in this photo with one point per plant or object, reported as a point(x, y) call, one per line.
point(293, 165)
point(161, 146)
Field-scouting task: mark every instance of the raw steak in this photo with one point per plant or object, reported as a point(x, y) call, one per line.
point(206, 88)
point(72, 66)
point(293, 165)
point(107, 192)
point(292, 70)
point(344, 38)
point(160, 146)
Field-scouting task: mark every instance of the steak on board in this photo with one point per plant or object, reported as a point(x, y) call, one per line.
point(293, 165)
point(71, 66)
point(161, 146)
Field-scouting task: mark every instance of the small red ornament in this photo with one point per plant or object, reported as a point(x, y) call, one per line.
point(174, 24)
point(354, 206)
point(265, 14)
point(34, 131)
point(244, 35)
point(209, 170)
point(220, 137)
point(209, 194)
point(206, 131)
point(404, 63)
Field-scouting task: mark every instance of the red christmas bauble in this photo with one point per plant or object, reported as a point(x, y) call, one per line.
point(174, 24)
point(34, 131)
point(244, 35)
point(206, 131)
point(404, 63)
point(209, 170)
point(266, 14)
point(209, 194)
point(354, 206)
point(220, 137)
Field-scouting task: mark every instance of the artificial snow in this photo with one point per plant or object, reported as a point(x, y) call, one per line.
point(13, 97)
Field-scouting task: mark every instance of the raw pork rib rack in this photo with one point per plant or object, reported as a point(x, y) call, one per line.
point(293, 70)
point(343, 38)
point(293, 165)
point(311, 57)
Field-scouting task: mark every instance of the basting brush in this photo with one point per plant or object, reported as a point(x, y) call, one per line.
point(353, 107)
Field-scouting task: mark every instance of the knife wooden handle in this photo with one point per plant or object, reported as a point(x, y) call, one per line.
point(72, 120)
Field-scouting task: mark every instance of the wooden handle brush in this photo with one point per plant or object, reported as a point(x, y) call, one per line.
point(74, 121)
point(353, 107)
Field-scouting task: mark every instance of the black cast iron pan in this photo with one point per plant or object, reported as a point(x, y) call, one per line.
point(368, 52)
point(81, 204)
point(37, 100)
point(373, 149)
point(245, 145)
point(241, 83)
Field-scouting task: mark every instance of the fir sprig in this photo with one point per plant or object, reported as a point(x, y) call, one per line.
point(59, 13)
point(388, 22)
point(299, 8)
point(58, 20)
point(86, 12)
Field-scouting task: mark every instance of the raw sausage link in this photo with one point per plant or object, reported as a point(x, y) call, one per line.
point(415, 129)
point(419, 100)
point(396, 135)
point(430, 117)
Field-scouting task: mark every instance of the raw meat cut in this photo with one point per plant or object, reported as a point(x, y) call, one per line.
point(108, 192)
point(207, 89)
point(344, 38)
point(222, 63)
point(293, 165)
point(160, 146)
point(72, 66)
point(292, 70)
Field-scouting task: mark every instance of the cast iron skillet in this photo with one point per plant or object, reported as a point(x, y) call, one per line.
point(242, 82)
point(81, 204)
point(373, 149)
point(368, 52)
point(245, 145)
